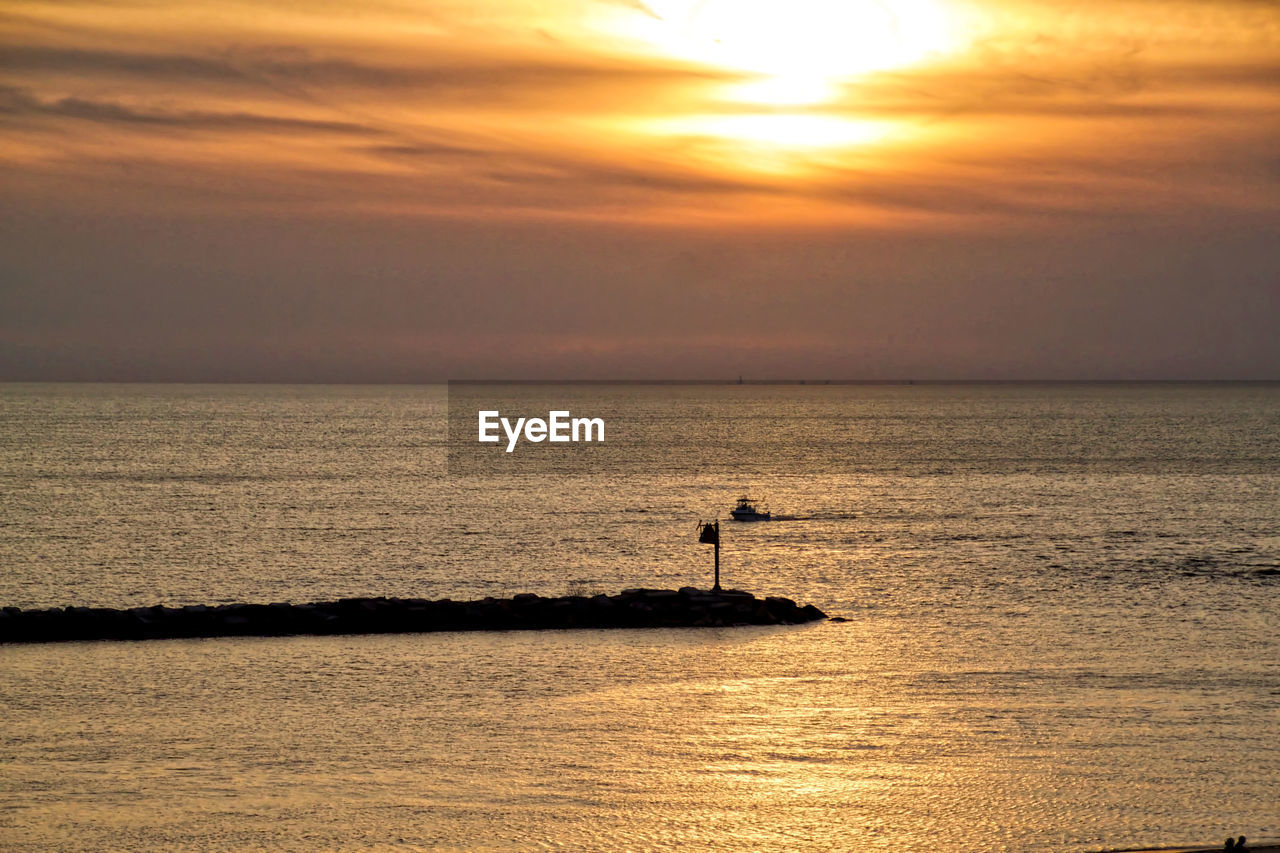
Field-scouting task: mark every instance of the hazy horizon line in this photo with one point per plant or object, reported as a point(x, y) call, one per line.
point(652, 381)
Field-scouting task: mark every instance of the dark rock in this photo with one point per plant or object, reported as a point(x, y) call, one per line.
point(633, 608)
point(812, 613)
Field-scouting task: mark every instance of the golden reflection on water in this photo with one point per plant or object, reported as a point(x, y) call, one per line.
point(1073, 657)
point(923, 731)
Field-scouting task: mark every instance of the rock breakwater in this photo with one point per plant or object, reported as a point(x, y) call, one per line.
point(632, 608)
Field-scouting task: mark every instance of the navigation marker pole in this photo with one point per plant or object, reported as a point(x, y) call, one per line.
point(709, 533)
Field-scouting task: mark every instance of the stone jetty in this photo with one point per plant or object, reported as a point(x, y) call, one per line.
point(632, 608)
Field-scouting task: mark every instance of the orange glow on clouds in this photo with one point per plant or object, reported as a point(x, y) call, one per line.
point(667, 110)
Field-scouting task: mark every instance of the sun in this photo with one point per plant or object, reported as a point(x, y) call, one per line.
point(798, 51)
point(783, 97)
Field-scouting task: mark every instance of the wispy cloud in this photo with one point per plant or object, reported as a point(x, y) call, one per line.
point(300, 66)
point(1044, 117)
point(17, 103)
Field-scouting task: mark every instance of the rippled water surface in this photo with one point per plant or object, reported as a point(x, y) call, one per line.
point(1063, 605)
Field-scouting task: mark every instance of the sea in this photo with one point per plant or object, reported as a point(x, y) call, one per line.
point(1062, 632)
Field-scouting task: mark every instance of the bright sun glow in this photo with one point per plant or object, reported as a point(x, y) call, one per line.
point(788, 57)
point(799, 50)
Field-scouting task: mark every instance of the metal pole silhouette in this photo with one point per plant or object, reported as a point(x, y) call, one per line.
point(710, 534)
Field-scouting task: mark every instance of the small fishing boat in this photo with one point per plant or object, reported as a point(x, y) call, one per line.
point(746, 511)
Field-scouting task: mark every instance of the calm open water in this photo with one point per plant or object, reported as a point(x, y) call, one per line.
point(1063, 604)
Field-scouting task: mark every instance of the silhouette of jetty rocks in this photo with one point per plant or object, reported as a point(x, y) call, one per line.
point(632, 608)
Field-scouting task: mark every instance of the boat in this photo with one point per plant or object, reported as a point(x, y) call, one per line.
point(746, 511)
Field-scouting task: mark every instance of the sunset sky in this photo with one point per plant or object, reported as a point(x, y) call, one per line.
point(849, 189)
